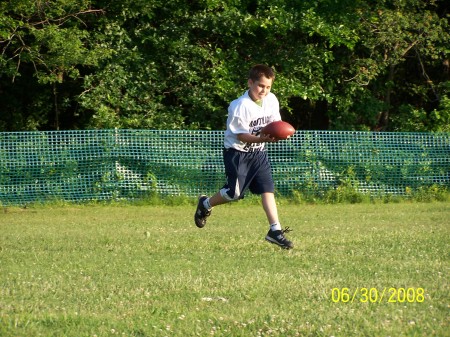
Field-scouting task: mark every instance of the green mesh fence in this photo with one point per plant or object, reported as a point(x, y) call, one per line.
point(131, 164)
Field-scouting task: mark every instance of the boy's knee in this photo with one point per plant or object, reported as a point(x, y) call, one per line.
point(224, 193)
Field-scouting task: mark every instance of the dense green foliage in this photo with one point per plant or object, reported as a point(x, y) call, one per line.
point(172, 64)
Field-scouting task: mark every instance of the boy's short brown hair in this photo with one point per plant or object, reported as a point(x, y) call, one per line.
point(259, 71)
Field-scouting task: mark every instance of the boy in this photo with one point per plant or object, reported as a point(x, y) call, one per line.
point(246, 162)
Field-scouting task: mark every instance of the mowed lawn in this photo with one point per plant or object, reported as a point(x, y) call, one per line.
point(108, 270)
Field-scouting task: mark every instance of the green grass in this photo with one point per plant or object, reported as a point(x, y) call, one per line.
point(148, 271)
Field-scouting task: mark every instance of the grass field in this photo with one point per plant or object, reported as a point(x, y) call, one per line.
point(148, 271)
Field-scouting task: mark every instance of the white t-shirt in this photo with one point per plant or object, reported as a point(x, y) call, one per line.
point(245, 116)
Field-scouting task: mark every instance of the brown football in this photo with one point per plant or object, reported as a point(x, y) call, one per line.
point(278, 130)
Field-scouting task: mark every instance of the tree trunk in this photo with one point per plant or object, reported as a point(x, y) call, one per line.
point(383, 120)
point(55, 102)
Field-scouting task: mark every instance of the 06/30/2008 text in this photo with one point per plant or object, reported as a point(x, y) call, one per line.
point(375, 295)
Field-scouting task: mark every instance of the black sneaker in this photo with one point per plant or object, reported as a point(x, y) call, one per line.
point(278, 238)
point(201, 213)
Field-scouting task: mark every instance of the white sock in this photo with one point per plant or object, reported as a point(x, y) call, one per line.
point(275, 227)
point(207, 204)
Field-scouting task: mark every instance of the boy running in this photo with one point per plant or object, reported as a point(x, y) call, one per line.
point(246, 162)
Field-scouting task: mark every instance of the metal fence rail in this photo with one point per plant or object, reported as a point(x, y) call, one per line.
point(129, 164)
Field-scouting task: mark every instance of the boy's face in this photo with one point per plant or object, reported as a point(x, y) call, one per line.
point(259, 89)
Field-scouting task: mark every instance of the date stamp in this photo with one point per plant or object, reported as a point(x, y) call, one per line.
point(375, 295)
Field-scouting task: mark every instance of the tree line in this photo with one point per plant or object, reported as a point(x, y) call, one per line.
point(380, 65)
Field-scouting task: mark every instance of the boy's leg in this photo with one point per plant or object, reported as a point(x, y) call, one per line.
point(230, 192)
point(270, 207)
point(275, 234)
point(217, 200)
point(205, 206)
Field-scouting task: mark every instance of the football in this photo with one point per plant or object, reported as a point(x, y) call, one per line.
point(278, 130)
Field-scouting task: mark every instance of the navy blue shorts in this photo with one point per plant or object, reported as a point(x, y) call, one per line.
point(246, 170)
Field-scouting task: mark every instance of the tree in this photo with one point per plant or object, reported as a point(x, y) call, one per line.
point(43, 45)
point(403, 41)
point(174, 64)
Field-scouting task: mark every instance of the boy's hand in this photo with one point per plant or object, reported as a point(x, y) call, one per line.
point(261, 138)
point(268, 138)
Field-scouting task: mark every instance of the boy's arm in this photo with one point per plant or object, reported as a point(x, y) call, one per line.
point(249, 138)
